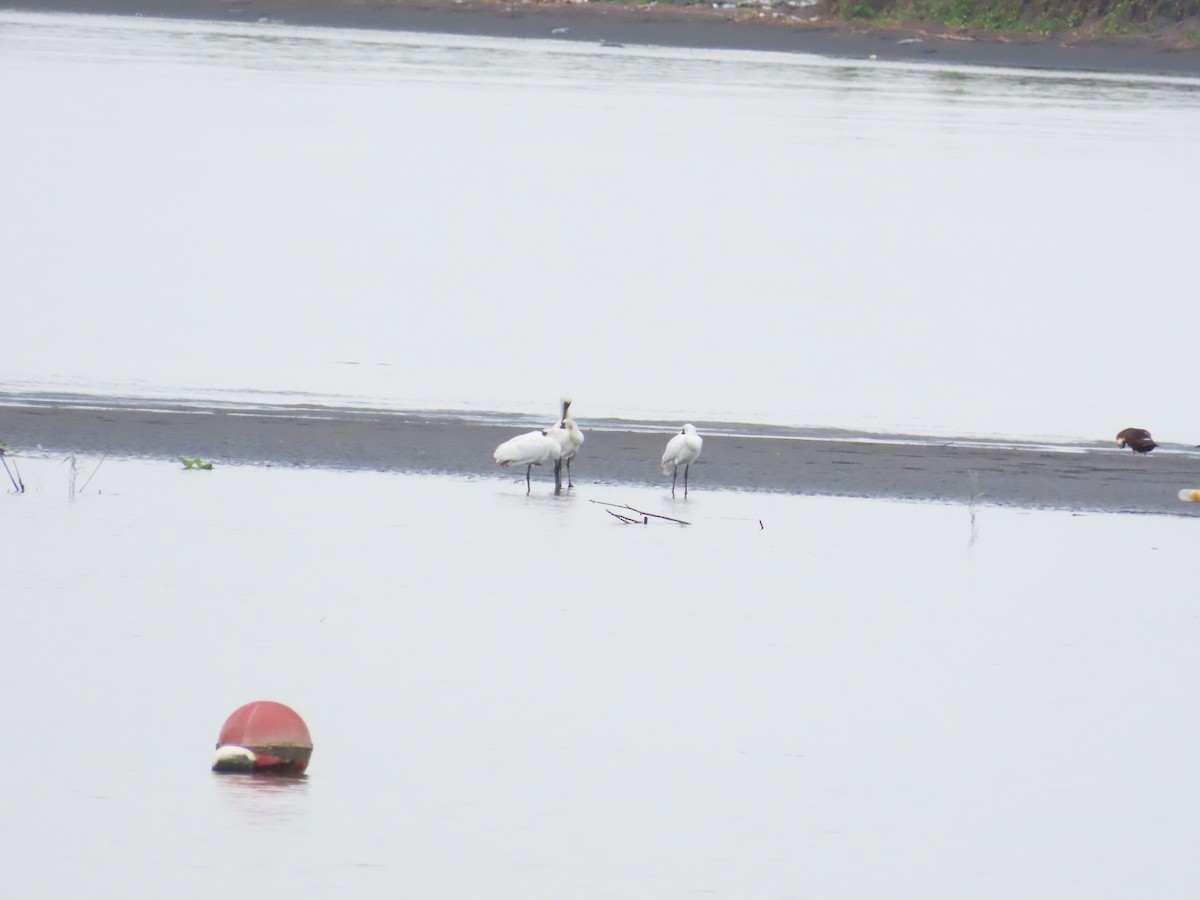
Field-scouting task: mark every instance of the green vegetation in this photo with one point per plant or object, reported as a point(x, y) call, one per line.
point(194, 462)
point(1041, 16)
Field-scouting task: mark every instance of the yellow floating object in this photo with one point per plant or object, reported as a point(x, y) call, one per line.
point(1189, 495)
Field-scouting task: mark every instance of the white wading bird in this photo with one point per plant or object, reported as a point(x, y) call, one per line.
point(529, 450)
point(682, 450)
point(570, 439)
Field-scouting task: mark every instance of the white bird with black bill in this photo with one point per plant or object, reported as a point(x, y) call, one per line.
point(682, 450)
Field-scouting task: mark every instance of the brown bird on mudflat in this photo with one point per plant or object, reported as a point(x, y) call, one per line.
point(1136, 439)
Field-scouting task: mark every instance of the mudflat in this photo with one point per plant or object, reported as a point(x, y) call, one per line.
point(750, 458)
point(705, 25)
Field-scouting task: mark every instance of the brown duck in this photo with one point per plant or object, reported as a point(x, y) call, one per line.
point(1136, 439)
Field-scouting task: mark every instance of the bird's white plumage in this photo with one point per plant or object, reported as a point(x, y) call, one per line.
point(569, 438)
point(682, 450)
point(529, 449)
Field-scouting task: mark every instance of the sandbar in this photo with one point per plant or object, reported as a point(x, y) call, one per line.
point(1099, 478)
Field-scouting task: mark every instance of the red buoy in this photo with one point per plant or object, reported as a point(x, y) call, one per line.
point(263, 735)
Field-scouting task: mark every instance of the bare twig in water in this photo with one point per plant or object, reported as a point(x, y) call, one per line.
point(640, 512)
point(17, 483)
point(626, 519)
point(975, 494)
point(93, 475)
point(761, 527)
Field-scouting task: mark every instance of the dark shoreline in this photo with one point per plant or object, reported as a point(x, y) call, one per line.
point(1097, 479)
point(675, 26)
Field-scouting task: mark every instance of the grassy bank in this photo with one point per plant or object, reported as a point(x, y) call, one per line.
point(1097, 17)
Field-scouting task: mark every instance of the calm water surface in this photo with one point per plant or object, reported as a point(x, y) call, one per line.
point(201, 210)
point(518, 696)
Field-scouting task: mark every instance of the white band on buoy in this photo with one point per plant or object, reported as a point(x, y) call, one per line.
point(231, 758)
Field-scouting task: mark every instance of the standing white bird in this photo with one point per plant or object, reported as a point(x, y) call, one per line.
point(570, 439)
point(529, 450)
point(682, 450)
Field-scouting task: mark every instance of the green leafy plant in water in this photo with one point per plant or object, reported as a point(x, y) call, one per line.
point(194, 462)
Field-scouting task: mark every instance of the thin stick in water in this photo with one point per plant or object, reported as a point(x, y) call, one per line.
point(17, 483)
point(626, 519)
point(94, 471)
point(640, 512)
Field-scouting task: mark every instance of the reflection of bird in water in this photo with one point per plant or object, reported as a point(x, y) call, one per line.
point(529, 450)
point(1137, 439)
point(682, 450)
point(570, 439)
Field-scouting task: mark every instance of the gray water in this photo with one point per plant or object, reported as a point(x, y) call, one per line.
point(518, 696)
point(206, 210)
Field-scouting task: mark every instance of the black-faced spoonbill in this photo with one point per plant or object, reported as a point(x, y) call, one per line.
point(529, 450)
point(682, 450)
point(1136, 439)
point(570, 439)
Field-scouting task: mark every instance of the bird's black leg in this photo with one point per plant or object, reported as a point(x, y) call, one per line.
point(686, 469)
point(528, 488)
point(674, 475)
point(570, 483)
point(558, 476)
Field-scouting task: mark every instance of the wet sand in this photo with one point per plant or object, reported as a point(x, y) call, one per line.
point(666, 24)
point(1102, 478)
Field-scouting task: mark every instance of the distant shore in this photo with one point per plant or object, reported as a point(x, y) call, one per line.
point(1098, 479)
point(706, 26)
